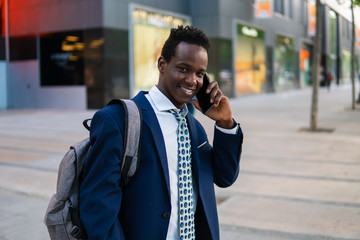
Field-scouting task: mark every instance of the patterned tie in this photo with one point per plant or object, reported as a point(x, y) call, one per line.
point(186, 208)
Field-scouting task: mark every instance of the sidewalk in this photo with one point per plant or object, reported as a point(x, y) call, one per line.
point(292, 184)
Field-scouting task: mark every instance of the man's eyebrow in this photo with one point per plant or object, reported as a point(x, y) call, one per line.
point(186, 65)
point(189, 66)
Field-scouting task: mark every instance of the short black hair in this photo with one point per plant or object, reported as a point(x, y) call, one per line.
point(186, 34)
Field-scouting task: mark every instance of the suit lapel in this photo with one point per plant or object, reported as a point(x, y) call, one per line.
point(151, 121)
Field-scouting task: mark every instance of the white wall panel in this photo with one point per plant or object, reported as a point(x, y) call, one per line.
point(26, 92)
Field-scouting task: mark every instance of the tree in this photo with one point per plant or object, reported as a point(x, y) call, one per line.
point(353, 42)
point(315, 68)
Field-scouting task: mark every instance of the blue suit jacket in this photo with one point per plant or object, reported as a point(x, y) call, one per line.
point(142, 209)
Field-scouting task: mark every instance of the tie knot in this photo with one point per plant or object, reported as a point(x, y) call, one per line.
point(179, 116)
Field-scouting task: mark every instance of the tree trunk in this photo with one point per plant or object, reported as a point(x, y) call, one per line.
point(315, 70)
point(353, 40)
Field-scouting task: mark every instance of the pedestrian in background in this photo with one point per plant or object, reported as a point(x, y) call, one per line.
point(328, 79)
point(172, 194)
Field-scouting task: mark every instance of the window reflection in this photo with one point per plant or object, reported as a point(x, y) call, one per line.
point(284, 63)
point(156, 27)
point(2, 29)
point(62, 59)
point(249, 60)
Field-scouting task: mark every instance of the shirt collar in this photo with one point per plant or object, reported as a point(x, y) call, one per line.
point(162, 103)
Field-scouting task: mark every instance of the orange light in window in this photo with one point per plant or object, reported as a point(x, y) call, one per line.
point(79, 46)
point(67, 47)
point(72, 38)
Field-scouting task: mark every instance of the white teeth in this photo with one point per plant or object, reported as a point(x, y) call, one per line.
point(187, 91)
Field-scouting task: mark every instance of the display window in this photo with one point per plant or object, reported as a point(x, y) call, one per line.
point(305, 65)
point(284, 63)
point(150, 31)
point(2, 29)
point(62, 59)
point(250, 66)
point(332, 58)
point(23, 48)
point(346, 66)
point(263, 8)
point(311, 17)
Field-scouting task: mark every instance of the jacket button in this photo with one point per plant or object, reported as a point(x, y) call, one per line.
point(166, 215)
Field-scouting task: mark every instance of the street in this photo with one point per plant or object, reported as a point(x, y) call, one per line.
point(293, 184)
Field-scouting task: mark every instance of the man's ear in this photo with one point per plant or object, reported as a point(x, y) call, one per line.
point(161, 64)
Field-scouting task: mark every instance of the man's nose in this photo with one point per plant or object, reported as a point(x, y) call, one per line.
point(193, 78)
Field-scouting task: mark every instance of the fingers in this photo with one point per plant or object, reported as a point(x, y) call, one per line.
point(196, 104)
point(215, 93)
point(219, 98)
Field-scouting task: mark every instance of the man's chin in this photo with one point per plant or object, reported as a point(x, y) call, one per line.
point(187, 100)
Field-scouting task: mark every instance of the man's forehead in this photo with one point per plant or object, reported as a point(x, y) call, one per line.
point(190, 50)
point(185, 45)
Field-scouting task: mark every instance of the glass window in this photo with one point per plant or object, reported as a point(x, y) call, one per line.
point(61, 59)
point(250, 65)
point(346, 66)
point(2, 30)
point(2, 48)
point(290, 8)
point(305, 12)
point(332, 57)
point(284, 63)
point(332, 30)
point(311, 18)
point(23, 48)
point(156, 27)
point(279, 6)
point(305, 65)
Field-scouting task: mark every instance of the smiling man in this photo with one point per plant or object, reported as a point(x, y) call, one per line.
point(172, 194)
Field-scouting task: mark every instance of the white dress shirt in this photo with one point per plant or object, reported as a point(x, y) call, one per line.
point(168, 124)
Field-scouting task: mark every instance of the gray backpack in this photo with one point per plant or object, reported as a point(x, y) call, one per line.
point(62, 216)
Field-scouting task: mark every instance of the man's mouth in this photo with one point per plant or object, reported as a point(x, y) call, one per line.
point(188, 91)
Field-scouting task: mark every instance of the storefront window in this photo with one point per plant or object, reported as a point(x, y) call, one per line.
point(150, 30)
point(2, 29)
point(284, 63)
point(61, 59)
point(305, 65)
point(279, 6)
point(23, 48)
point(249, 60)
point(331, 59)
point(346, 65)
point(311, 21)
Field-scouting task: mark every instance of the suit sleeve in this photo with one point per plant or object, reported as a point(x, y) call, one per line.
point(100, 192)
point(226, 156)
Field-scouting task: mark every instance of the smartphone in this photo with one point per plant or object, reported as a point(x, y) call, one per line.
point(204, 98)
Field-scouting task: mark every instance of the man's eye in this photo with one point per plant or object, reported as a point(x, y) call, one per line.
point(181, 69)
point(200, 75)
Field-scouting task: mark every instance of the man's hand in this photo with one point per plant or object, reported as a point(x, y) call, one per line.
point(221, 111)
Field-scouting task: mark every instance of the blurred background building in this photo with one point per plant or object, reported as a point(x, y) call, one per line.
point(81, 53)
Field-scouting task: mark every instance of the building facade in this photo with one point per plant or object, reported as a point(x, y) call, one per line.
point(81, 53)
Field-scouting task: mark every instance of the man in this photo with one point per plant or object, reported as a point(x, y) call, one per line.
point(172, 194)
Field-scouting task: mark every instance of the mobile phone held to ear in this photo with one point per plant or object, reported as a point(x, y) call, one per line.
point(204, 98)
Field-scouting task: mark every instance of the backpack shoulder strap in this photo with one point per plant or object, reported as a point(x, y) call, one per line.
point(132, 139)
